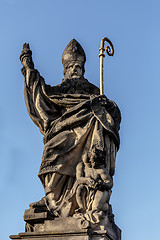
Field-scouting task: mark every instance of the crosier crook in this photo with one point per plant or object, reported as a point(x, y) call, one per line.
point(110, 52)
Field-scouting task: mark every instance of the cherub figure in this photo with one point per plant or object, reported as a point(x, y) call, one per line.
point(92, 175)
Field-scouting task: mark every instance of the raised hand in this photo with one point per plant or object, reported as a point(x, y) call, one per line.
point(26, 57)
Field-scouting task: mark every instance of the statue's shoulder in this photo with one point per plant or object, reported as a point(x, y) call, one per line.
point(91, 88)
point(50, 90)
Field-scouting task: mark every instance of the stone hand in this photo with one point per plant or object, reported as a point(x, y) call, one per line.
point(87, 181)
point(90, 182)
point(26, 57)
point(103, 100)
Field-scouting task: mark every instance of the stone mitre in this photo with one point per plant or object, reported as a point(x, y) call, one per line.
point(73, 53)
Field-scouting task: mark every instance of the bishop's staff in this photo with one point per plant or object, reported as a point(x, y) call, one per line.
point(110, 52)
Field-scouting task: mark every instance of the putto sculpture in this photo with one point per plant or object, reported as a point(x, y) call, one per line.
point(81, 139)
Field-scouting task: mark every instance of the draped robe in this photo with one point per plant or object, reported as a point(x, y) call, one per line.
point(74, 120)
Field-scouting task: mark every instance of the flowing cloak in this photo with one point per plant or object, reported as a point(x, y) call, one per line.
point(73, 119)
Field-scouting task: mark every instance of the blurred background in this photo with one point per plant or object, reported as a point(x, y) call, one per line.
point(131, 79)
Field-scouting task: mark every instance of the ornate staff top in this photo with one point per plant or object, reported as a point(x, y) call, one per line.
point(110, 52)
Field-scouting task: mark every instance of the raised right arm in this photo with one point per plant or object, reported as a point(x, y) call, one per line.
point(38, 104)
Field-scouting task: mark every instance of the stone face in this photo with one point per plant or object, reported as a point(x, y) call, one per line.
point(81, 139)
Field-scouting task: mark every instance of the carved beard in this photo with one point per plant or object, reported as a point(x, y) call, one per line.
point(72, 79)
point(73, 85)
point(78, 86)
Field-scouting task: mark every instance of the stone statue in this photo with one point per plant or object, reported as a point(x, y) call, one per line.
point(81, 139)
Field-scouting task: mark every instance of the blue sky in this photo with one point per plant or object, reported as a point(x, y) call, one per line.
point(131, 79)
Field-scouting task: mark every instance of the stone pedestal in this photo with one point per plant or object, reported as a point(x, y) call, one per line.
point(68, 229)
point(41, 225)
point(78, 235)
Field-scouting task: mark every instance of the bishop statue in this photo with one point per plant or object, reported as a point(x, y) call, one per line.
point(81, 139)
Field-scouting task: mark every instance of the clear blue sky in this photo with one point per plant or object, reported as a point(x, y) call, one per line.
point(132, 80)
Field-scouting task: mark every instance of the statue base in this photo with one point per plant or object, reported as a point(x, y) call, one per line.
point(42, 225)
point(84, 234)
point(68, 229)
